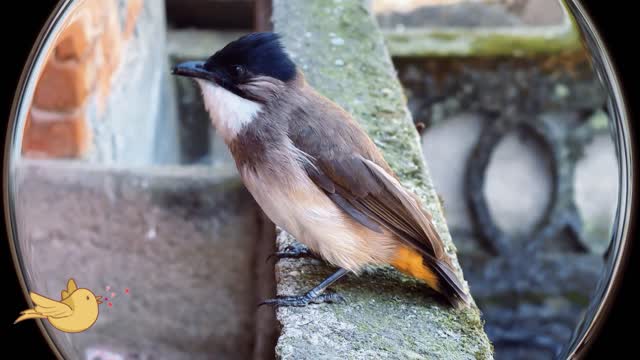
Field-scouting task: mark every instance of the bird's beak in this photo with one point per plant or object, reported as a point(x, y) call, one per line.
point(99, 298)
point(193, 69)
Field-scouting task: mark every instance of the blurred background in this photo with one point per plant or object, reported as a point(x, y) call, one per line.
point(122, 182)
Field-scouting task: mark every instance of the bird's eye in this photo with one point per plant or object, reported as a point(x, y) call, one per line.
point(87, 297)
point(239, 70)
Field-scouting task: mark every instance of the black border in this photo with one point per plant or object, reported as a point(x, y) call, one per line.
point(616, 22)
point(22, 23)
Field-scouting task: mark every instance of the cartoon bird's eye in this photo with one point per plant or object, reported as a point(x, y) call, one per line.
point(87, 297)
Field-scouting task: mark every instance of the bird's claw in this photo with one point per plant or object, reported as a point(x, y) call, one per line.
point(304, 300)
point(291, 252)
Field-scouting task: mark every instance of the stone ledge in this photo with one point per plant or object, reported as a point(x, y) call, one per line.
point(490, 41)
point(341, 50)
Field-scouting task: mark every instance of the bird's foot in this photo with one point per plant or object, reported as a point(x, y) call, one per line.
point(304, 300)
point(295, 251)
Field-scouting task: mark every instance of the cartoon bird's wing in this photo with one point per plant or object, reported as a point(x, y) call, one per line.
point(71, 287)
point(49, 307)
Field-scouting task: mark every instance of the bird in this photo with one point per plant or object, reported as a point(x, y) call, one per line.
point(314, 170)
point(76, 311)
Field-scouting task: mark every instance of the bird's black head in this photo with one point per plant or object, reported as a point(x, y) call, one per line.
point(252, 55)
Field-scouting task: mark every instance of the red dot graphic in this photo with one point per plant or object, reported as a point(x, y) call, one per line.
point(110, 304)
point(126, 291)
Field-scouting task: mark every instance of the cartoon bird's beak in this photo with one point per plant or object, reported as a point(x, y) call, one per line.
point(99, 298)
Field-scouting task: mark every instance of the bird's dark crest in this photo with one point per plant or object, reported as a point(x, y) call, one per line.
point(259, 53)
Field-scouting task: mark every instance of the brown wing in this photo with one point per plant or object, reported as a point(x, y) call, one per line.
point(342, 160)
point(374, 198)
point(345, 163)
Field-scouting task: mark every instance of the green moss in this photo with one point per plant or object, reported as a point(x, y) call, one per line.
point(486, 42)
point(456, 42)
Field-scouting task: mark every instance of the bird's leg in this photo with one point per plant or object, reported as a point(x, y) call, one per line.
point(313, 296)
point(294, 251)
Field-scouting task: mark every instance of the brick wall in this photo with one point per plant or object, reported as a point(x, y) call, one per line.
point(80, 68)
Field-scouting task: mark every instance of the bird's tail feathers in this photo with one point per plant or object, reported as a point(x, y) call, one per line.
point(448, 283)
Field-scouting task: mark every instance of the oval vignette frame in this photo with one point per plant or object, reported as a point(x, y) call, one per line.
point(601, 301)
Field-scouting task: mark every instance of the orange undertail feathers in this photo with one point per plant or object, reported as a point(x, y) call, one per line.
point(437, 274)
point(410, 262)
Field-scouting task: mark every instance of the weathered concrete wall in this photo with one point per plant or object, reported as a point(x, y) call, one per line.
point(183, 241)
point(340, 48)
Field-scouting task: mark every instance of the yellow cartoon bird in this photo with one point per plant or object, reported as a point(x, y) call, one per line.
point(76, 311)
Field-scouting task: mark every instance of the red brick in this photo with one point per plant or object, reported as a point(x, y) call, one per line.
point(63, 87)
point(68, 136)
point(74, 42)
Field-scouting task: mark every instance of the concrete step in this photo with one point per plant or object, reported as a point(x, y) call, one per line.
point(181, 239)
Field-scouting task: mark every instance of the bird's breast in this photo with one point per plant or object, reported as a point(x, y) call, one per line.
point(293, 202)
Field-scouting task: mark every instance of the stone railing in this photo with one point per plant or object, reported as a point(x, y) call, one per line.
point(516, 133)
point(341, 50)
point(456, 40)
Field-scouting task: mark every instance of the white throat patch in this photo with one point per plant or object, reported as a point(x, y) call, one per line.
point(228, 111)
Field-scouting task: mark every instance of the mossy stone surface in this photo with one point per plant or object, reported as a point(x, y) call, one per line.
point(461, 42)
point(492, 42)
point(341, 50)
